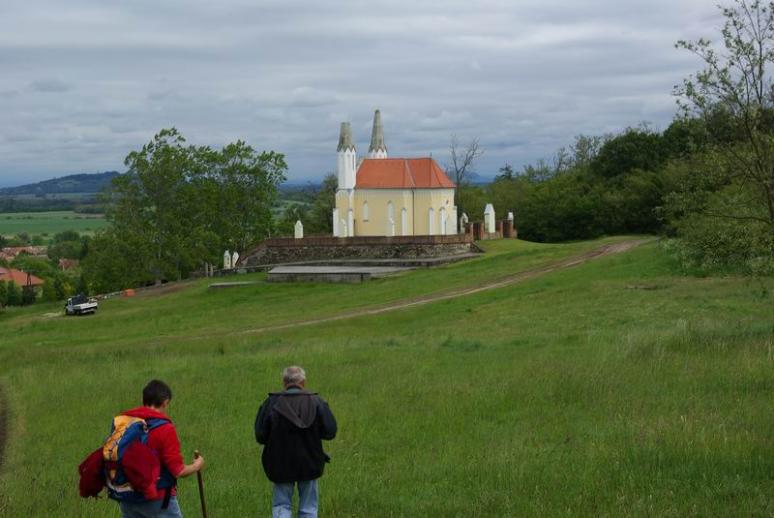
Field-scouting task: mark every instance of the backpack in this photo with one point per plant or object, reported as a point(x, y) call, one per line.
point(125, 463)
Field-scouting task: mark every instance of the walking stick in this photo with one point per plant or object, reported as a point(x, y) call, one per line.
point(201, 486)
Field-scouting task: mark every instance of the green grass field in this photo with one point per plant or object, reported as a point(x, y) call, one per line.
point(50, 223)
point(615, 387)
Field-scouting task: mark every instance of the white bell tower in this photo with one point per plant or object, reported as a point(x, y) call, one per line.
point(346, 165)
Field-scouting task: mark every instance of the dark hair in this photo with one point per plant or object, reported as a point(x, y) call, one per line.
point(155, 393)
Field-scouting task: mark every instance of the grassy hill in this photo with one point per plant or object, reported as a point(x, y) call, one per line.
point(74, 192)
point(613, 387)
point(71, 184)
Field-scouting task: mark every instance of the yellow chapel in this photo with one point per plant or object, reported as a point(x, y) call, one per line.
point(382, 196)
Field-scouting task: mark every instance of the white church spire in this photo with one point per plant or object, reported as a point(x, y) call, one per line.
point(377, 149)
point(346, 158)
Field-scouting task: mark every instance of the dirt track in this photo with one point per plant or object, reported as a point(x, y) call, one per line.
point(526, 275)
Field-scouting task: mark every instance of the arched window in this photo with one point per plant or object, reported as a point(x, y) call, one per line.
point(403, 222)
point(430, 221)
point(442, 220)
point(365, 211)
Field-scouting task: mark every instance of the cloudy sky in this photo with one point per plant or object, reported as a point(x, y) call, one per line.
point(83, 82)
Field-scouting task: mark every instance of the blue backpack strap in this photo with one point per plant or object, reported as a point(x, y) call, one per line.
point(166, 480)
point(156, 422)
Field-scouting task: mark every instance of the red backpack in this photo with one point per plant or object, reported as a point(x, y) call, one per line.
point(125, 463)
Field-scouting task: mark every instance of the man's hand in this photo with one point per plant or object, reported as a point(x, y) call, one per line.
point(190, 469)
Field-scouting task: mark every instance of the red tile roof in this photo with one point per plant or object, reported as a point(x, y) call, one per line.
point(401, 173)
point(19, 277)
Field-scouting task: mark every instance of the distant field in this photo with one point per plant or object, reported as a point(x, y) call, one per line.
point(282, 204)
point(74, 196)
point(618, 387)
point(37, 223)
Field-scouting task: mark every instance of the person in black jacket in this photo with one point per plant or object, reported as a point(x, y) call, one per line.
point(291, 425)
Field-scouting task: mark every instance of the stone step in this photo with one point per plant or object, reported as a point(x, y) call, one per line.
point(318, 273)
point(419, 262)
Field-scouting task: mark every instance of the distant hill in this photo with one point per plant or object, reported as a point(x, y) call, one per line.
point(74, 183)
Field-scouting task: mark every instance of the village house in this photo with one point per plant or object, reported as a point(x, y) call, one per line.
point(9, 253)
point(19, 277)
point(381, 196)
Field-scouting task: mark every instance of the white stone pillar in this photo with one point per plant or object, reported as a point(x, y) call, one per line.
point(489, 218)
point(336, 229)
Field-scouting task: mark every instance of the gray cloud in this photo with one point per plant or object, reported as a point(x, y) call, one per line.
point(49, 86)
point(525, 77)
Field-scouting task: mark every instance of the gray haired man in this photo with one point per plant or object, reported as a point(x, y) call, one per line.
point(291, 425)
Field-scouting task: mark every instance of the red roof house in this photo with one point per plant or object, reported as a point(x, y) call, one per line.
point(19, 277)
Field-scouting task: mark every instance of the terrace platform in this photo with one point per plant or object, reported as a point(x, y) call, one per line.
point(344, 274)
point(221, 285)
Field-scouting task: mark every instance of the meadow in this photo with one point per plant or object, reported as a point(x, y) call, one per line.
point(49, 223)
point(618, 387)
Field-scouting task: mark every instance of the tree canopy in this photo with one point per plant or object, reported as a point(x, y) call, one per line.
point(179, 206)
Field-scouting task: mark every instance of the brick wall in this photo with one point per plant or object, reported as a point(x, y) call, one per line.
point(503, 229)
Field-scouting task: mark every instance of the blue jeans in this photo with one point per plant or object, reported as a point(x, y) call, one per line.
point(151, 509)
point(282, 498)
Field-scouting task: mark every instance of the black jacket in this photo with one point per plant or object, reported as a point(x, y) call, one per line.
point(291, 425)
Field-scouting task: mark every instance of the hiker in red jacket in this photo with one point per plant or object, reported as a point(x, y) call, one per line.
point(162, 439)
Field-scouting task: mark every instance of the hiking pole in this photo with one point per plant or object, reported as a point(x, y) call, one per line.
point(201, 486)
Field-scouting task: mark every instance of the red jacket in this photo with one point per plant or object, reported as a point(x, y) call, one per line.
point(163, 440)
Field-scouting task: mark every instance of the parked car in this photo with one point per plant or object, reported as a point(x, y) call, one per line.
point(80, 305)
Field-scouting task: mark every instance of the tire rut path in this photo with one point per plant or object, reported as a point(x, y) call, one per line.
point(597, 253)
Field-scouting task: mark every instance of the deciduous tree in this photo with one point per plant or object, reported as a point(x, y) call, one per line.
point(736, 80)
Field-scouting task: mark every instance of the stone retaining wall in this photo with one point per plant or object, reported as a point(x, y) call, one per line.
point(289, 250)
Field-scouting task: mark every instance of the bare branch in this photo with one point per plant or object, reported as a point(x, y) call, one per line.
point(462, 160)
